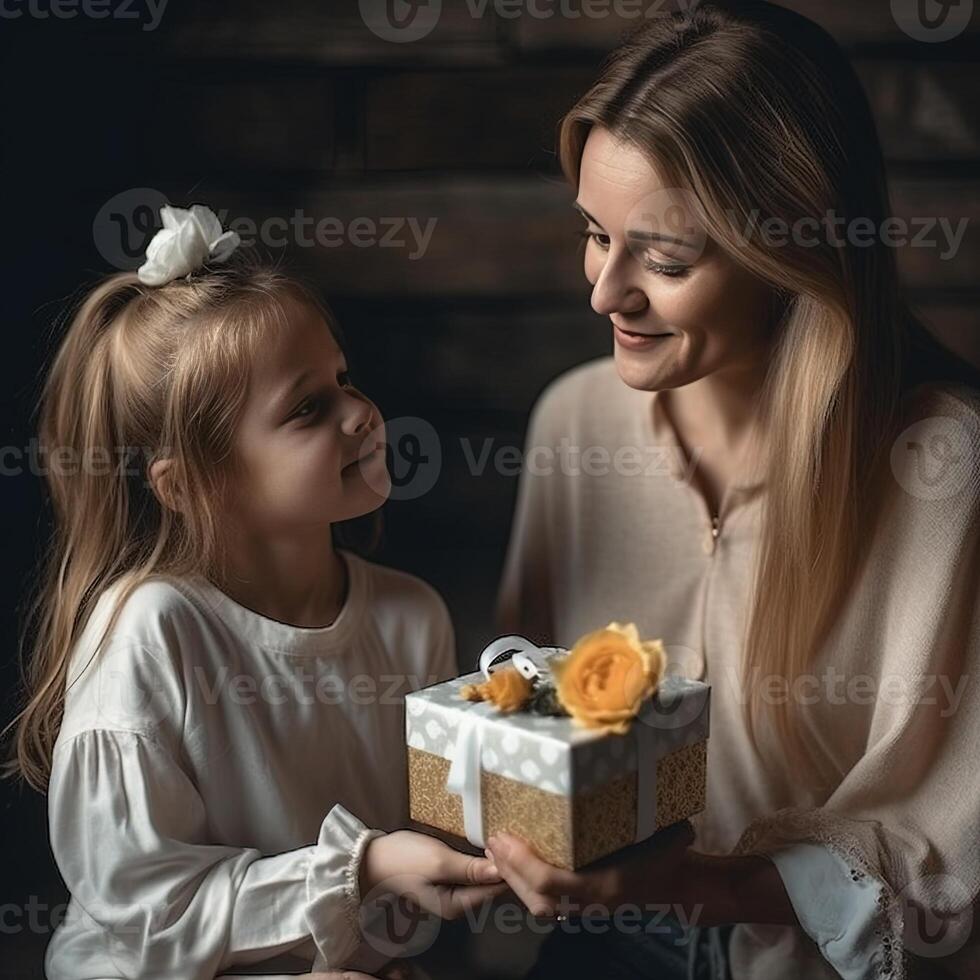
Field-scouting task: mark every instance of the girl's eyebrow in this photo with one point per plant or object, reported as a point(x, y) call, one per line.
point(585, 214)
point(282, 400)
point(287, 393)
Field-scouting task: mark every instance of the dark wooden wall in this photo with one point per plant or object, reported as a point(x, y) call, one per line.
point(300, 106)
point(262, 108)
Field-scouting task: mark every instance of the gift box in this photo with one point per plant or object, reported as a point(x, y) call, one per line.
point(575, 794)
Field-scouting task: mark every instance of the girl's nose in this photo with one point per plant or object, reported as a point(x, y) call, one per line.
point(360, 416)
point(615, 290)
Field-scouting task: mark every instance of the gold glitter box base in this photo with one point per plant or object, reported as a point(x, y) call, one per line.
point(566, 831)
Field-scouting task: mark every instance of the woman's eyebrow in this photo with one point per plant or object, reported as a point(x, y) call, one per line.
point(652, 236)
point(641, 236)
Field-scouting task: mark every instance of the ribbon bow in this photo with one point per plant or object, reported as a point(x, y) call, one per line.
point(520, 652)
point(188, 239)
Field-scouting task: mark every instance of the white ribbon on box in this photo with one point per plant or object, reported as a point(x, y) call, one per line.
point(465, 770)
point(466, 767)
point(517, 651)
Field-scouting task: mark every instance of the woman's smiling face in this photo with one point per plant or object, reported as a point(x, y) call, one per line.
point(680, 307)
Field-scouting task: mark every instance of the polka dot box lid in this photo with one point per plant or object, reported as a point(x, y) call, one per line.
point(552, 753)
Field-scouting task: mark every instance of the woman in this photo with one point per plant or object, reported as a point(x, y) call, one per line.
point(777, 472)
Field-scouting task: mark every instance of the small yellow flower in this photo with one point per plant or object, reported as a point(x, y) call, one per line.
point(507, 688)
point(607, 675)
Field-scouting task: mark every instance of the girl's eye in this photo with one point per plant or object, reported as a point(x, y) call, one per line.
point(315, 403)
point(309, 403)
point(598, 237)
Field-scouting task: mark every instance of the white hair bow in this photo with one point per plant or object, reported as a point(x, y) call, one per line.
point(188, 239)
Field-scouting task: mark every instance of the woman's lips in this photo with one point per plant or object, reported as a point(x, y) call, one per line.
point(633, 340)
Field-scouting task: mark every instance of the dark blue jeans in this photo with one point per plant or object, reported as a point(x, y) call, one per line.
point(657, 948)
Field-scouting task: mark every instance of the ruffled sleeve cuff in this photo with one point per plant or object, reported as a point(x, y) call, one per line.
point(843, 902)
point(839, 908)
point(333, 890)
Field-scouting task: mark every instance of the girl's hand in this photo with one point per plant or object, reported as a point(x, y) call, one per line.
point(436, 877)
point(634, 875)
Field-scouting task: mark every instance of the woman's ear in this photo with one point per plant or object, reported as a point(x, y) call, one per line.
point(166, 486)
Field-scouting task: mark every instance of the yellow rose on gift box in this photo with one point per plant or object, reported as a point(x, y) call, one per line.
point(607, 675)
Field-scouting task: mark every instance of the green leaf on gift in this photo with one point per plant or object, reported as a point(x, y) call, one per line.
point(544, 701)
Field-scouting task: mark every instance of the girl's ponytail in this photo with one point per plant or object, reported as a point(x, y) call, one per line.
point(90, 498)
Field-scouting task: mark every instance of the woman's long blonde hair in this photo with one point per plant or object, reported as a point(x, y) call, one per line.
point(143, 372)
point(746, 107)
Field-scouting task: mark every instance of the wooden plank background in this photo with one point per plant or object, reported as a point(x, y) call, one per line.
point(261, 109)
point(311, 109)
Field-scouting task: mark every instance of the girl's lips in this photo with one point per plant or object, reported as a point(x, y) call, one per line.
point(379, 448)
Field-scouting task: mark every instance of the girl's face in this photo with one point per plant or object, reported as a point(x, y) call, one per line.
point(680, 307)
point(310, 446)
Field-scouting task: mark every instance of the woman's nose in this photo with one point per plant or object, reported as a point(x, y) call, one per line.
point(615, 290)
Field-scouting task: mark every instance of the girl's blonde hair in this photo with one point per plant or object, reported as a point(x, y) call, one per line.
point(143, 373)
point(749, 107)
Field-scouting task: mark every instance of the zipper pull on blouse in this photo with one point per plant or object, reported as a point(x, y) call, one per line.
point(712, 537)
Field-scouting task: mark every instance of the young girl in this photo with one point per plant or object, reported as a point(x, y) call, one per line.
point(216, 702)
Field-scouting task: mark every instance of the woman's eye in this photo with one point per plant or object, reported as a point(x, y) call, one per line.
point(672, 271)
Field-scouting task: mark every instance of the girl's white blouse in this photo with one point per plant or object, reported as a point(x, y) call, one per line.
point(218, 773)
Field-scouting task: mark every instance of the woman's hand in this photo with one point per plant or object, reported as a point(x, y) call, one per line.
point(341, 975)
point(396, 970)
point(436, 877)
point(645, 873)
